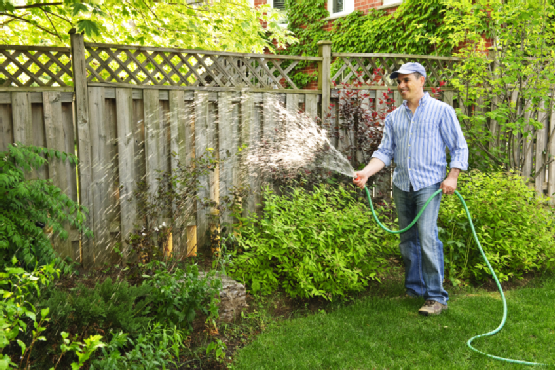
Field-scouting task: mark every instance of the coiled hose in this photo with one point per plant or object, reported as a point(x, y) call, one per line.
point(493, 332)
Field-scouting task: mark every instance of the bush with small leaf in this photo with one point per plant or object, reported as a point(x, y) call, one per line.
point(178, 295)
point(112, 305)
point(156, 348)
point(23, 328)
point(311, 244)
point(516, 228)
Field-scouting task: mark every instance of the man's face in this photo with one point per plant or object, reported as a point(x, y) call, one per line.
point(409, 86)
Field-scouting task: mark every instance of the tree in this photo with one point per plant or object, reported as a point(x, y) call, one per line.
point(505, 76)
point(230, 25)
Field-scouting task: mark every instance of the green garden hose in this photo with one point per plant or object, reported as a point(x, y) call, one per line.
point(493, 332)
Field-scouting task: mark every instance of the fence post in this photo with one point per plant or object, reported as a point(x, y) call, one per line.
point(324, 75)
point(81, 107)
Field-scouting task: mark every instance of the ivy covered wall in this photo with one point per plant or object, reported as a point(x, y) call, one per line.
point(415, 27)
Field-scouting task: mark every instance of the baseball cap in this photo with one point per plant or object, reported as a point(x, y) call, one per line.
point(409, 68)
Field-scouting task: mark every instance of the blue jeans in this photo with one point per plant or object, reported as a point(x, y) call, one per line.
point(420, 246)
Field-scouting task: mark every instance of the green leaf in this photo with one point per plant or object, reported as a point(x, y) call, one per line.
point(89, 27)
point(44, 312)
point(77, 8)
point(31, 315)
point(23, 346)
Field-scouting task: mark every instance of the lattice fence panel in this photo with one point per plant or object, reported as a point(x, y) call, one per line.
point(157, 66)
point(374, 69)
point(35, 66)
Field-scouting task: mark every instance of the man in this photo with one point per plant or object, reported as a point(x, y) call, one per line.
point(415, 135)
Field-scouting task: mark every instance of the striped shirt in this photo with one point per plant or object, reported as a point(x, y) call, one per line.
point(417, 143)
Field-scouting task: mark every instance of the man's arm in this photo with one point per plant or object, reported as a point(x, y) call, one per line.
point(455, 141)
point(381, 157)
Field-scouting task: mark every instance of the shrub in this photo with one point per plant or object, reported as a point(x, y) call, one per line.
point(155, 349)
point(25, 203)
point(178, 295)
point(23, 327)
point(16, 312)
point(515, 227)
point(172, 297)
point(109, 305)
point(321, 243)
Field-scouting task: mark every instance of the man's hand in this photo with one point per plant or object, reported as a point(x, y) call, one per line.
point(449, 185)
point(360, 179)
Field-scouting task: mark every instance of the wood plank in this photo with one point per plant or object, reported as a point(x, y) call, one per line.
point(34, 48)
point(23, 123)
point(22, 118)
point(55, 139)
point(228, 143)
point(254, 199)
point(139, 160)
point(6, 131)
point(324, 74)
point(165, 164)
point(197, 51)
point(139, 133)
point(153, 131)
point(201, 144)
point(68, 128)
point(247, 116)
point(100, 186)
point(126, 156)
point(384, 55)
point(209, 88)
point(311, 106)
point(494, 126)
point(528, 143)
point(34, 96)
point(112, 202)
point(154, 149)
point(541, 141)
point(64, 89)
point(365, 104)
point(344, 143)
point(178, 122)
point(447, 97)
point(270, 109)
point(550, 155)
point(213, 176)
point(383, 178)
point(83, 140)
point(39, 137)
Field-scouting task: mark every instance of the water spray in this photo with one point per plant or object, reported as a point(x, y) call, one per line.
point(498, 329)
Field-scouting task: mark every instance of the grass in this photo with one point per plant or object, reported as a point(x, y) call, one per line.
point(387, 333)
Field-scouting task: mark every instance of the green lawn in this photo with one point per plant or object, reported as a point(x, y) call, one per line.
point(387, 333)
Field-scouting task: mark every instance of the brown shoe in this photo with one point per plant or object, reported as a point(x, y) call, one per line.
point(432, 308)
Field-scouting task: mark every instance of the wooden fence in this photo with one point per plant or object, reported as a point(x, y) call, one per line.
point(124, 109)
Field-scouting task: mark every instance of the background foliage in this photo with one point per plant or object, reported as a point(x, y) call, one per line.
point(408, 30)
point(416, 27)
point(230, 25)
point(502, 85)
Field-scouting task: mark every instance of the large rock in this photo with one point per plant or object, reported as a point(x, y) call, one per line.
point(233, 297)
